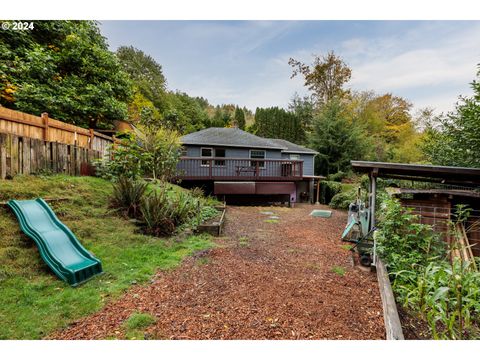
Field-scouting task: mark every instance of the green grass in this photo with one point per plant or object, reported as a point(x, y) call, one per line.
point(347, 247)
point(136, 324)
point(33, 301)
point(243, 241)
point(339, 270)
point(271, 221)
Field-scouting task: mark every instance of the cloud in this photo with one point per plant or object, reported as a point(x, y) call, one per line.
point(246, 62)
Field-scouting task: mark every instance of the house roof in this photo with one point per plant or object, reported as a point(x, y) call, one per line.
point(234, 137)
point(293, 148)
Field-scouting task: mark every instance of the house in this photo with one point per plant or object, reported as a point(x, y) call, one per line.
point(234, 162)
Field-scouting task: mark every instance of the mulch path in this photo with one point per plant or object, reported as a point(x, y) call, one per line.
point(265, 280)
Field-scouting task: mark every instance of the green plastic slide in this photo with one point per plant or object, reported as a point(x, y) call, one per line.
point(57, 245)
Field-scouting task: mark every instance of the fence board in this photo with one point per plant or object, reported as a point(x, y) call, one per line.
point(23, 155)
point(47, 129)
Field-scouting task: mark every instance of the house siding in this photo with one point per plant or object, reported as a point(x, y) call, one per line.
point(230, 169)
point(242, 153)
point(308, 162)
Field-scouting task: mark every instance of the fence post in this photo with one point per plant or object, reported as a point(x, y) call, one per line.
point(91, 137)
point(45, 126)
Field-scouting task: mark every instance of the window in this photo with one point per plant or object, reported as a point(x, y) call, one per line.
point(206, 153)
point(257, 154)
point(183, 151)
point(294, 157)
point(219, 153)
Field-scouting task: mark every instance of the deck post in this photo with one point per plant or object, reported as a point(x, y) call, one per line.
point(372, 207)
point(311, 190)
point(373, 195)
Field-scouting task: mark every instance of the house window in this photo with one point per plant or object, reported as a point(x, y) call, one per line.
point(257, 154)
point(294, 157)
point(183, 152)
point(206, 153)
point(219, 153)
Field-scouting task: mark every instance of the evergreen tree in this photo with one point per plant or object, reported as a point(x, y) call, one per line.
point(337, 139)
point(239, 118)
point(455, 138)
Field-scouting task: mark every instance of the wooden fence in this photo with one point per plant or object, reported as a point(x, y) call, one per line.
point(30, 144)
point(47, 129)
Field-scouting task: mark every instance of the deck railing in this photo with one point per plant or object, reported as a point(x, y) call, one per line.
point(196, 168)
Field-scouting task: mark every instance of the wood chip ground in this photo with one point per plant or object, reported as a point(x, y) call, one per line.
point(279, 279)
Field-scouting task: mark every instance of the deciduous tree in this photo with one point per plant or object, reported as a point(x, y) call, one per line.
point(325, 78)
point(65, 69)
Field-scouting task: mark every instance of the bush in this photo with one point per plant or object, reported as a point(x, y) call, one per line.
point(148, 152)
point(339, 176)
point(343, 199)
point(162, 213)
point(328, 189)
point(127, 195)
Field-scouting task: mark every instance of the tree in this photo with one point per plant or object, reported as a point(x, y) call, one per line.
point(303, 110)
point(146, 74)
point(337, 139)
point(454, 139)
point(239, 118)
point(325, 78)
point(65, 69)
point(278, 123)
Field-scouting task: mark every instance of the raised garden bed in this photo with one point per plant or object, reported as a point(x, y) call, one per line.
point(393, 327)
point(214, 226)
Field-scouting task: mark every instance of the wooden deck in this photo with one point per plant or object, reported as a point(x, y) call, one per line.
point(228, 169)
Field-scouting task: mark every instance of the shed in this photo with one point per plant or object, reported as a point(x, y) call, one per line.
point(443, 187)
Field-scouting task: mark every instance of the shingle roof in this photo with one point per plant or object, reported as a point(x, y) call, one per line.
point(239, 138)
point(290, 147)
point(229, 137)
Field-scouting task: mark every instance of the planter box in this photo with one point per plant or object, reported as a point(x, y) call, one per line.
point(214, 226)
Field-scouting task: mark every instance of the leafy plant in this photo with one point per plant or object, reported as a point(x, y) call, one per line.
point(342, 200)
point(446, 294)
point(328, 189)
point(127, 195)
point(163, 213)
point(151, 152)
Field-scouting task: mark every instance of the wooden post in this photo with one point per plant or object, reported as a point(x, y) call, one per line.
point(393, 327)
point(3, 156)
point(91, 138)
point(318, 192)
point(45, 126)
point(372, 208)
point(210, 168)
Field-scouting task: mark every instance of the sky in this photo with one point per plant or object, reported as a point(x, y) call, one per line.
point(430, 63)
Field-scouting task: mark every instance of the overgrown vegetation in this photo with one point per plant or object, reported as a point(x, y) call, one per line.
point(445, 294)
point(452, 139)
point(161, 208)
point(149, 151)
point(34, 302)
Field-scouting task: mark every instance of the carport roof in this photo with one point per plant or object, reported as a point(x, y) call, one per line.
point(429, 173)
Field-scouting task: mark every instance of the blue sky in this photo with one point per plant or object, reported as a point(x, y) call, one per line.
point(430, 63)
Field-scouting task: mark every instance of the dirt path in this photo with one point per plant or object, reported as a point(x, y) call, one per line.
point(266, 280)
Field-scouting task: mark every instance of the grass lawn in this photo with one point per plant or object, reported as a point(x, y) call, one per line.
point(33, 301)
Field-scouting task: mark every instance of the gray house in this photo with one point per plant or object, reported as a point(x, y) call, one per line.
point(236, 162)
